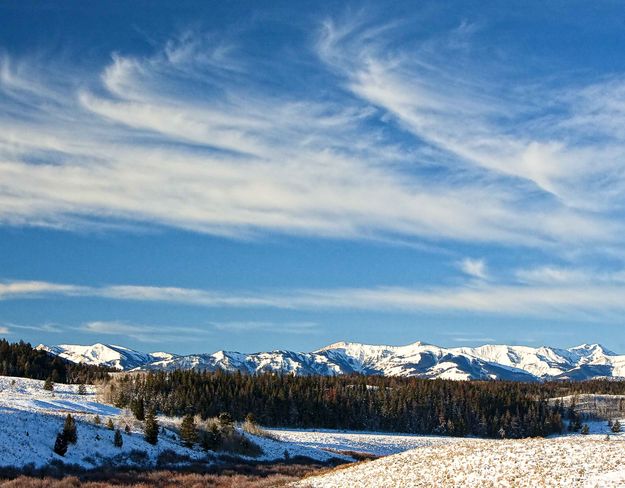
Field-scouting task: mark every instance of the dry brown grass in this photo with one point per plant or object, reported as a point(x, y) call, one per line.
point(218, 476)
point(334, 469)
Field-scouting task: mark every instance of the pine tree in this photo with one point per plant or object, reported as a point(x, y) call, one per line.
point(110, 425)
point(127, 429)
point(585, 429)
point(188, 431)
point(60, 445)
point(82, 389)
point(117, 440)
point(69, 430)
point(96, 420)
point(138, 409)
point(150, 429)
point(49, 384)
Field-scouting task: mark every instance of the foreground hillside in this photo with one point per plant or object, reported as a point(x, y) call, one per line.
point(31, 417)
point(503, 362)
point(577, 461)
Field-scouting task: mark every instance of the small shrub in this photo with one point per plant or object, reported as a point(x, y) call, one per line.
point(96, 420)
point(254, 429)
point(237, 443)
point(110, 425)
point(82, 389)
point(225, 420)
point(138, 456)
point(616, 426)
point(170, 457)
point(48, 385)
point(210, 439)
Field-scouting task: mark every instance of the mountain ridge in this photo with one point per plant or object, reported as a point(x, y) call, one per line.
point(418, 359)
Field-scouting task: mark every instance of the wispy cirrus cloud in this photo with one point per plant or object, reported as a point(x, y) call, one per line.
point(546, 143)
point(131, 145)
point(539, 299)
point(297, 328)
point(144, 333)
point(474, 267)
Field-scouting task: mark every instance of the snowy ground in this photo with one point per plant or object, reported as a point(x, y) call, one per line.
point(378, 444)
point(572, 461)
point(30, 418)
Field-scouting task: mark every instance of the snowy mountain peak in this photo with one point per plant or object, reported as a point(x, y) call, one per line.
point(592, 349)
point(99, 354)
point(490, 361)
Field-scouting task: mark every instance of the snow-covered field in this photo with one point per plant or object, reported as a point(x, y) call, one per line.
point(571, 461)
point(30, 418)
point(378, 444)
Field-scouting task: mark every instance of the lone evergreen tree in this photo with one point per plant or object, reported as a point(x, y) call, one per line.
point(616, 426)
point(585, 429)
point(82, 389)
point(150, 430)
point(96, 420)
point(138, 409)
point(60, 445)
point(110, 425)
point(117, 440)
point(127, 429)
point(49, 384)
point(69, 430)
point(188, 431)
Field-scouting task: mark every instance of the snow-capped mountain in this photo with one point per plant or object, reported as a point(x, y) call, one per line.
point(105, 355)
point(422, 360)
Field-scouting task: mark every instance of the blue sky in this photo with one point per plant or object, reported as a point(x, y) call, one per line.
point(193, 176)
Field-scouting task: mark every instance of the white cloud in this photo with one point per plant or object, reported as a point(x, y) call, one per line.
point(54, 328)
point(4, 330)
point(573, 300)
point(474, 267)
point(133, 147)
point(280, 327)
point(542, 141)
point(33, 288)
point(144, 333)
point(474, 339)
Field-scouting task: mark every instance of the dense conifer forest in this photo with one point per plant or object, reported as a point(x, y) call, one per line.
point(458, 408)
point(21, 359)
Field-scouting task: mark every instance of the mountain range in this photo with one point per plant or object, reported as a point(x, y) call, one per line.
point(488, 362)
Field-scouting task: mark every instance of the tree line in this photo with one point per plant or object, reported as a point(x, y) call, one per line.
point(21, 359)
point(458, 408)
